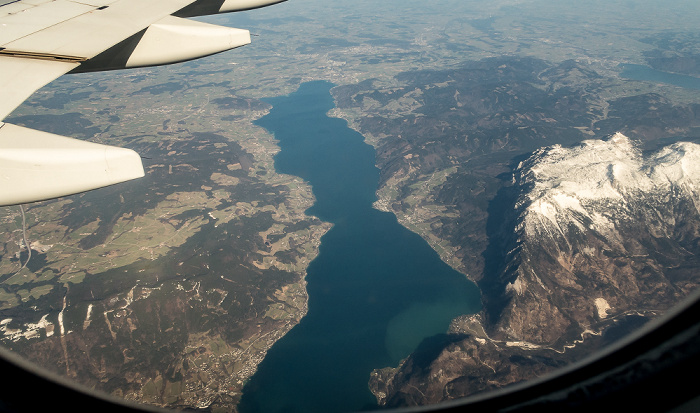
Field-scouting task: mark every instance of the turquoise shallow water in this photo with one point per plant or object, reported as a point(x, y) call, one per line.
point(376, 290)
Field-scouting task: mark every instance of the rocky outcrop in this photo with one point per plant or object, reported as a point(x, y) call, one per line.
point(456, 365)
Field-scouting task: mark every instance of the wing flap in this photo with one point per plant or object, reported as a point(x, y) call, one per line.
point(89, 33)
point(173, 39)
point(35, 18)
point(37, 165)
point(22, 76)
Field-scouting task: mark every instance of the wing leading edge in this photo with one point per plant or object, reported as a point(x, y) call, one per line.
point(41, 40)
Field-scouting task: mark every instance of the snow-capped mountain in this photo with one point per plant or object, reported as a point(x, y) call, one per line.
point(601, 230)
point(588, 243)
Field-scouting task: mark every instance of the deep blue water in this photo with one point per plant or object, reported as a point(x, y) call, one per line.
point(376, 290)
point(645, 73)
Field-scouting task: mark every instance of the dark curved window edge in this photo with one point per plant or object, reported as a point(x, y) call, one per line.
point(650, 370)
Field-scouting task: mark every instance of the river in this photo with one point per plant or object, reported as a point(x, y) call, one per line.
point(376, 289)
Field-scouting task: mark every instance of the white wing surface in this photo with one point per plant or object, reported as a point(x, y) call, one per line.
point(41, 40)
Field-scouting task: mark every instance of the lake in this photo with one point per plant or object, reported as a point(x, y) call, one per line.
point(646, 73)
point(376, 289)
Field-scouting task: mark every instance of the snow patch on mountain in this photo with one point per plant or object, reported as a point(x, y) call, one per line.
point(598, 183)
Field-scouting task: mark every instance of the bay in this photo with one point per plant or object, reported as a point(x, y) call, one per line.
point(376, 289)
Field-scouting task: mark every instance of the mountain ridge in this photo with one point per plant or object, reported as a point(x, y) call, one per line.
point(599, 218)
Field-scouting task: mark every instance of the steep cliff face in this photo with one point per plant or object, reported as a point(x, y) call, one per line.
point(593, 239)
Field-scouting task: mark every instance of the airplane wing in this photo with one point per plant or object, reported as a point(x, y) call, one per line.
point(41, 40)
